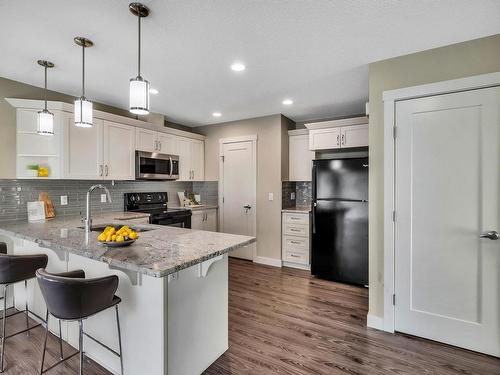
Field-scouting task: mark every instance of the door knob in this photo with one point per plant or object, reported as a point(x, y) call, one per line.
point(492, 235)
point(247, 207)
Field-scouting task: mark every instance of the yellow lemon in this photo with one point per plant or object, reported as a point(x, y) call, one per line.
point(108, 238)
point(113, 237)
point(102, 237)
point(120, 238)
point(133, 236)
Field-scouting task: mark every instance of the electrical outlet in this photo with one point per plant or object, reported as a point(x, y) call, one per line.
point(271, 196)
point(64, 200)
point(292, 196)
point(103, 198)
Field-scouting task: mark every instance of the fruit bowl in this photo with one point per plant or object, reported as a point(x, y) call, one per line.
point(118, 244)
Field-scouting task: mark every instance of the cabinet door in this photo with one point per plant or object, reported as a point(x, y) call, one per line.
point(300, 158)
point(119, 151)
point(83, 158)
point(324, 139)
point(185, 151)
point(198, 220)
point(211, 220)
point(146, 140)
point(355, 136)
point(198, 160)
point(167, 143)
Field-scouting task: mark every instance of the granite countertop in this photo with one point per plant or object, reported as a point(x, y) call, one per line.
point(199, 207)
point(158, 252)
point(304, 209)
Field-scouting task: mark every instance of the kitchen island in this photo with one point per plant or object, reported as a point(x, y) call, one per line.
point(173, 285)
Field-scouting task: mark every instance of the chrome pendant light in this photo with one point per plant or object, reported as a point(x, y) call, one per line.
point(45, 118)
point(83, 107)
point(139, 87)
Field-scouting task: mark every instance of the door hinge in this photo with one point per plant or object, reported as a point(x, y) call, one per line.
point(394, 300)
point(394, 132)
point(394, 216)
point(222, 199)
point(222, 158)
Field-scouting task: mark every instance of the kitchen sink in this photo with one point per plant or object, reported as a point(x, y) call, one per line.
point(101, 227)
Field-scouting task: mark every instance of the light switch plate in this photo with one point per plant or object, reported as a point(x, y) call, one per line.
point(271, 196)
point(292, 196)
point(64, 200)
point(103, 198)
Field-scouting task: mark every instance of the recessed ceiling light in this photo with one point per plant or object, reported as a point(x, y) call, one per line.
point(154, 91)
point(287, 102)
point(238, 67)
point(217, 114)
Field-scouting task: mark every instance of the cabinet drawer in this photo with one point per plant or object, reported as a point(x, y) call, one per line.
point(291, 256)
point(293, 243)
point(298, 218)
point(296, 230)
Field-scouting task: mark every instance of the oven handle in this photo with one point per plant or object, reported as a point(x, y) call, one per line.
point(171, 166)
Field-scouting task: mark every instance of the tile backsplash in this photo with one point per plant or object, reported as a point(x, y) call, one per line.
point(15, 193)
point(303, 194)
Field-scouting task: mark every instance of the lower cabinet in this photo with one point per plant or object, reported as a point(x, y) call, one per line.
point(204, 220)
point(295, 240)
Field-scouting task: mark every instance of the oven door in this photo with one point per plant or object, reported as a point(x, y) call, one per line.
point(180, 221)
point(155, 166)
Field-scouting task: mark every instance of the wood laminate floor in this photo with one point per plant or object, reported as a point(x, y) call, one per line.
point(283, 321)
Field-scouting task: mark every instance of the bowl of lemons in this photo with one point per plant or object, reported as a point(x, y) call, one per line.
point(118, 236)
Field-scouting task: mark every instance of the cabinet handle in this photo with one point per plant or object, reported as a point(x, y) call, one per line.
point(100, 170)
point(294, 256)
point(343, 139)
point(159, 146)
point(296, 242)
point(294, 230)
point(155, 147)
point(338, 140)
point(106, 169)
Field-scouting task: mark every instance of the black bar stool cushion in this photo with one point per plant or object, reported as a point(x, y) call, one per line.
point(14, 268)
point(69, 296)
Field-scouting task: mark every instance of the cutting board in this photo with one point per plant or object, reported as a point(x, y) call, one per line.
point(49, 207)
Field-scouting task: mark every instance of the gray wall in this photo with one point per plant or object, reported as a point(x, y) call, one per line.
point(456, 61)
point(269, 131)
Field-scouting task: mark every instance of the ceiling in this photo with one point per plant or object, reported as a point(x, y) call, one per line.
point(315, 52)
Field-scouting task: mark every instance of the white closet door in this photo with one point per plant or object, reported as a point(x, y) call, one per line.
point(447, 195)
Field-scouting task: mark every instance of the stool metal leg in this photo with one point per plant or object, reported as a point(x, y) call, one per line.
point(45, 340)
point(26, 306)
point(3, 325)
point(119, 339)
point(80, 345)
point(60, 340)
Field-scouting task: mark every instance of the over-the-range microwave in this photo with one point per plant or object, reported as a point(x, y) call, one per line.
point(156, 166)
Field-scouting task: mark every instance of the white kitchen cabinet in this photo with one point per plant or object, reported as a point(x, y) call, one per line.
point(191, 159)
point(153, 141)
point(83, 151)
point(295, 247)
point(204, 220)
point(300, 157)
point(354, 136)
point(345, 133)
point(118, 151)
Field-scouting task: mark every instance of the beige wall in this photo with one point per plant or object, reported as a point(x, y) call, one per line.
point(269, 146)
point(440, 64)
point(14, 89)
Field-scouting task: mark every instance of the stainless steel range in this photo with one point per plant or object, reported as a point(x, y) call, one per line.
point(156, 205)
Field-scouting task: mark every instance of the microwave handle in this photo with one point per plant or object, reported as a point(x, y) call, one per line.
point(171, 166)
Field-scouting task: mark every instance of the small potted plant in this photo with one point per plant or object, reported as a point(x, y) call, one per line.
point(32, 170)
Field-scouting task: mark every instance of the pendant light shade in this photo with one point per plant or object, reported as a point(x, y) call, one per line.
point(45, 118)
point(83, 107)
point(139, 87)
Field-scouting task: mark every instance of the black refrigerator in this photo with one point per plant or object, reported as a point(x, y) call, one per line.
point(340, 220)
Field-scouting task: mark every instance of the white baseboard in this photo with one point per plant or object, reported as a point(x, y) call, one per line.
point(268, 261)
point(374, 321)
point(306, 267)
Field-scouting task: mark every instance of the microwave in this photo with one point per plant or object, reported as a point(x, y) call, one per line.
point(156, 166)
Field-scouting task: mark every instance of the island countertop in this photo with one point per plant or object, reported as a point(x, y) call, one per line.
point(160, 251)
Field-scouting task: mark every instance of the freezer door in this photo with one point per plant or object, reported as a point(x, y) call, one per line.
point(340, 241)
point(341, 179)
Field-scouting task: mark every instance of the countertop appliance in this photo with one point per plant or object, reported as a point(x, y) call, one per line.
point(340, 220)
point(156, 166)
point(156, 205)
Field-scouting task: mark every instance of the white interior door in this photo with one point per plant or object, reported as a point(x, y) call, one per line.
point(239, 193)
point(447, 185)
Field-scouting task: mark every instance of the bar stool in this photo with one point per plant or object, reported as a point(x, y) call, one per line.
point(71, 297)
point(13, 269)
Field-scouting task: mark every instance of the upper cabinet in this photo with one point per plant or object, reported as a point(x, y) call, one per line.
point(104, 151)
point(191, 159)
point(299, 156)
point(345, 133)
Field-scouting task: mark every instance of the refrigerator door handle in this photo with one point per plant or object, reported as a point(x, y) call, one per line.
point(313, 213)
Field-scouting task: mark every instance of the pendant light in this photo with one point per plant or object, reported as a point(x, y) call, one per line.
point(139, 87)
point(45, 118)
point(83, 107)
